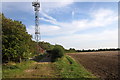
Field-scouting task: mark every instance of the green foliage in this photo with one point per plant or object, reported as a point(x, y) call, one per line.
point(16, 42)
point(39, 57)
point(46, 46)
point(57, 52)
point(68, 68)
point(71, 50)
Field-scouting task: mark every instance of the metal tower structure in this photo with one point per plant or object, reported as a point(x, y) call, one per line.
point(36, 6)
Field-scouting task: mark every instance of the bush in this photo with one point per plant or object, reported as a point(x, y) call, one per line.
point(57, 52)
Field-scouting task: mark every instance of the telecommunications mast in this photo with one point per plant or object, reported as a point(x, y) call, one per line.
point(36, 6)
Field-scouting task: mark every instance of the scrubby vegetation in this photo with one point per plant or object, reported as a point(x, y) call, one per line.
point(68, 68)
point(57, 52)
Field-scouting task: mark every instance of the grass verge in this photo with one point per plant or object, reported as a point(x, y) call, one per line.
point(68, 68)
point(11, 70)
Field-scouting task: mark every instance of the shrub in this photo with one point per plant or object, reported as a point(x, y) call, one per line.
point(57, 52)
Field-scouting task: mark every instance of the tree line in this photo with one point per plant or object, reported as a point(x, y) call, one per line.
point(71, 50)
point(17, 44)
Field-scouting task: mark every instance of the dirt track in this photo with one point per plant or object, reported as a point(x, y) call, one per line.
point(41, 69)
point(102, 64)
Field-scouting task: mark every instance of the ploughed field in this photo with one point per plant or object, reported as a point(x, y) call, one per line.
point(102, 64)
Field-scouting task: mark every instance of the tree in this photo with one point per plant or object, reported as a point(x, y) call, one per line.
point(46, 46)
point(17, 43)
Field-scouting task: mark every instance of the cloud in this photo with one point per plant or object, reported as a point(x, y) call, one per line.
point(56, 4)
point(61, 0)
point(99, 18)
point(73, 13)
point(50, 29)
point(48, 18)
point(102, 18)
point(107, 39)
point(44, 29)
point(27, 6)
point(65, 32)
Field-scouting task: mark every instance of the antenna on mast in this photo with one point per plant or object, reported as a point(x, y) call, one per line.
point(36, 6)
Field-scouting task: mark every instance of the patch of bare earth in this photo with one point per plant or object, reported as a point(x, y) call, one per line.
point(102, 64)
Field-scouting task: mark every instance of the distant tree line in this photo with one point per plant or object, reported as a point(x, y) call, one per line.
point(93, 50)
point(71, 50)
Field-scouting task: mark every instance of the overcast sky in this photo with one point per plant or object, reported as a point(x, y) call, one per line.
point(79, 25)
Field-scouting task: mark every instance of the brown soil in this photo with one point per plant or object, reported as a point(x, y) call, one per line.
point(102, 64)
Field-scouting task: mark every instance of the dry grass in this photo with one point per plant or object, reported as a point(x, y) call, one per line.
point(40, 70)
